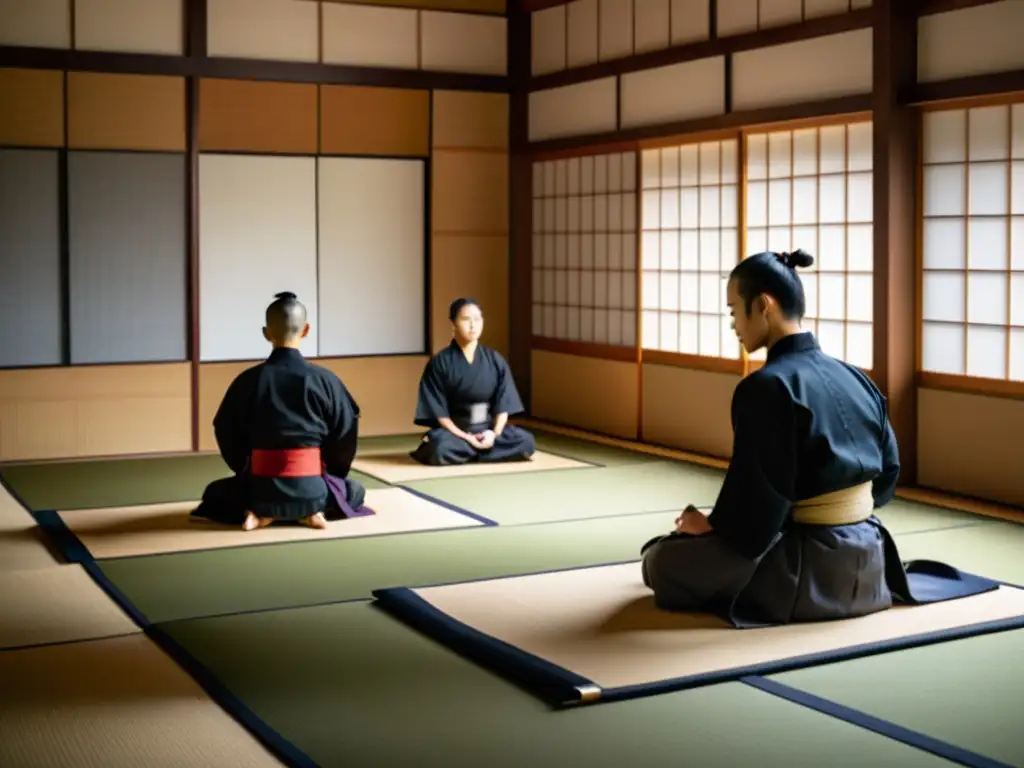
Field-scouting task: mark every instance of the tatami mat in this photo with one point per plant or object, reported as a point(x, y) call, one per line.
point(599, 628)
point(121, 482)
point(161, 528)
point(400, 468)
point(967, 692)
point(191, 584)
point(21, 547)
point(56, 605)
point(542, 497)
point(350, 686)
point(113, 703)
point(194, 584)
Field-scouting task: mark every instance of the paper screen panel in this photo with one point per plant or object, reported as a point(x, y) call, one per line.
point(573, 110)
point(358, 120)
point(139, 112)
point(285, 30)
point(372, 256)
point(135, 26)
point(689, 244)
point(33, 113)
point(652, 26)
point(809, 70)
point(36, 23)
point(691, 21)
point(128, 266)
point(584, 249)
point(814, 9)
point(370, 36)
point(257, 237)
point(615, 29)
point(970, 41)
point(490, 7)
point(779, 13)
point(548, 37)
point(812, 188)
point(654, 96)
point(582, 17)
point(463, 42)
point(736, 17)
point(31, 320)
point(973, 242)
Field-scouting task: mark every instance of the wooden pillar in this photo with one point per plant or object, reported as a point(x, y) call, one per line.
point(520, 200)
point(895, 226)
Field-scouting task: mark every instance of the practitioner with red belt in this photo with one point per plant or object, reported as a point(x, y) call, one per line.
point(288, 430)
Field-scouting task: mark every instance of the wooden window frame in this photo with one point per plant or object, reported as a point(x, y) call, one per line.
point(963, 383)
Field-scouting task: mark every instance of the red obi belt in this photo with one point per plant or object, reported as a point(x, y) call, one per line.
point(286, 462)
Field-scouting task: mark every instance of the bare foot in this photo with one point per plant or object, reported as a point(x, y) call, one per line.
point(315, 521)
point(252, 522)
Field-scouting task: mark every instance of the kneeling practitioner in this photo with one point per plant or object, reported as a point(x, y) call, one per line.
point(466, 395)
point(793, 536)
point(288, 430)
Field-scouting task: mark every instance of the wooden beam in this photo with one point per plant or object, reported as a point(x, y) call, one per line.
point(743, 119)
point(721, 46)
point(895, 274)
point(245, 69)
point(972, 87)
point(520, 263)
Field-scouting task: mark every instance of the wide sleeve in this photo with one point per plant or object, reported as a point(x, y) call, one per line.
point(231, 423)
point(506, 397)
point(756, 497)
point(883, 488)
point(338, 450)
point(431, 401)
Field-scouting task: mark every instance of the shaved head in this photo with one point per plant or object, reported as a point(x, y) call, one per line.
point(286, 319)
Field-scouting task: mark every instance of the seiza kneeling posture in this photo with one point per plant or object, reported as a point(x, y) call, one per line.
point(793, 535)
point(466, 395)
point(288, 429)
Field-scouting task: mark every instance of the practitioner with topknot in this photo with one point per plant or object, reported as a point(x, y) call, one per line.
point(288, 431)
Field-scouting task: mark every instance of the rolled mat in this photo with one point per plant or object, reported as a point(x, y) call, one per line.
point(401, 468)
point(150, 529)
point(594, 634)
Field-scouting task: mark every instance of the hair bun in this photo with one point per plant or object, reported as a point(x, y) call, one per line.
point(798, 258)
point(285, 296)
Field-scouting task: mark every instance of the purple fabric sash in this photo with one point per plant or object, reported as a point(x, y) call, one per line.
point(339, 492)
